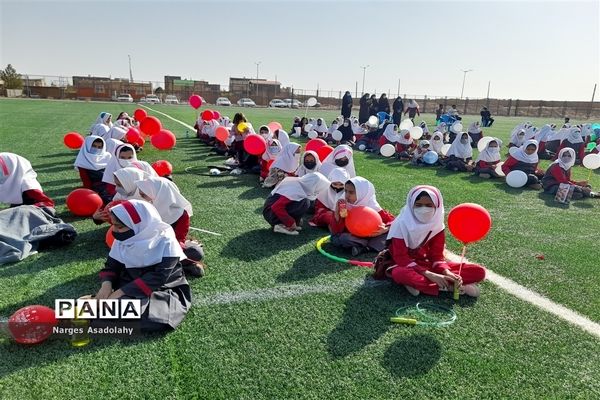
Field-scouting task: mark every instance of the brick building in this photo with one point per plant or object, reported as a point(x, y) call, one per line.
point(184, 88)
point(102, 88)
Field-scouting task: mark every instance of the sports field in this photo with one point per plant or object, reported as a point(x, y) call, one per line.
point(273, 319)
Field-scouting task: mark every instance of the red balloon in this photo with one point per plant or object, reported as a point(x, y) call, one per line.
point(208, 115)
point(315, 144)
point(323, 152)
point(195, 101)
point(140, 114)
point(32, 324)
point(216, 115)
point(109, 239)
point(165, 140)
point(163, 167)
point(134, 137)
point(273, 126)
point(150, 126)
point(73, 140)
point(83, 202)
point(469, 222)
point(221, 133)
point(363, 221)
point(255, 144)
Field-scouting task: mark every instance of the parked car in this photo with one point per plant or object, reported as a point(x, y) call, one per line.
point(152, 99)
point(278, 103)
point(292, 104)
point(125, 98)
point(246, 102)
point(170, 99)
point(223, 101)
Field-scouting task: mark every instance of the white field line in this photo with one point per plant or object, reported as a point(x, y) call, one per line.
point(506, 284)
point(168, 116)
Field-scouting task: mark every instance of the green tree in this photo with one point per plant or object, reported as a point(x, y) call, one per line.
point(11, 79)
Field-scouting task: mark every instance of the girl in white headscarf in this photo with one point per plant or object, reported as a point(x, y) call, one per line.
point(390, 135)
point(98, 121)
point(285, 164)
point(309, 162)
point(417, 158)
point(268, 158)
point(541, 136)
point(341, 157)
point(91, 162)
point(19, 184)
point(517, 139)
point(475, 132)
point(289, 201)
point(574, 141)
point(145, 263)
point(327, 199)
point(125, 183)
point(124, 156)
point(321, 128)
point(460, 154)
point(117, 131)
point(417, 242)
point(554, 139)
point(101, 129)
point(560, 173)
point(437, 142)
point(525, 159)
point(358, 192)
point(488, 159)
point(405, 145)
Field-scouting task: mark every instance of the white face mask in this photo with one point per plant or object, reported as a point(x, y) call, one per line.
point(494, 149)
point(124, 163)
point(274, 150)
point(95, 151)
point(424, 214)
point(297, 157)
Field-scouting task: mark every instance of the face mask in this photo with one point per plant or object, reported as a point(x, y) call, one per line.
point(346, 124)
point(124, 163)
point(121, 236)
point(342, 162)
point(121, 190)
point(274, 150)
point(95, 151)
point(464, 141)
point(493, 149)
point(424, 214)
point(336, 189)
point(309, 165)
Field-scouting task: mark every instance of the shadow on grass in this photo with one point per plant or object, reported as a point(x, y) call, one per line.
point(47, 167)
point(412, 356)
point(255, 193)
point(549, 201)
point(510, 190)
point(475, 179)
point(73, 182)
point(63, 154)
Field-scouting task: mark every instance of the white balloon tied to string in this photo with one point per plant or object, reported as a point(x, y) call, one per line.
point(311, 102)
point(312, 135)
point(516, 179)
point(406, 124)
point(416, 132)
point(456, 127)
point(373, 121)
point(387, 150)
point(591, 162)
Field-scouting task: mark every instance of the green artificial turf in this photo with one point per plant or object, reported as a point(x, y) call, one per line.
point(274, 319)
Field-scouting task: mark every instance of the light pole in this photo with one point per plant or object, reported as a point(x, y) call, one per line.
point(464, 78)
point(364, 73)
point(257, 64)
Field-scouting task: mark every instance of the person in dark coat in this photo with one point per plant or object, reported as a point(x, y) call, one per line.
point(363, 113)
point(383, 104)
point(373, 105)
point(397, 108)
point(347, 105)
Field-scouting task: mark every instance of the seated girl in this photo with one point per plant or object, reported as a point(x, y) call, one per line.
point(417, 157)
point(282, 136)
point(309, 162)
point(554, 139)
point(541, 137)
point(574, 141)
point(426, 133)
point(101, 128)
point(98, 121)
point(525, 159)
point(460, 154)
point(144, 263)
point(296, 127)
point(124, 156)
point(560, 172)
point(175, 210)
point(517, 139)
point(327, 200)
point(488, 159)
point(405, 145)
point(91, 162)
point(358, 192)
point(437, 142)
point(341, 157)
point(321, 128)
point(289, 201)
point(417, 249)
point(19, 185)
point(268, 158)
point(285, 164)
point(475, 132)
point(389, 135)
point(117, 131)
point(125, 189)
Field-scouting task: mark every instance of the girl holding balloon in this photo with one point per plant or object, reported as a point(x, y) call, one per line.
point(268, 158)
point(525, 158)
point(419, 153)
point(460, 154)
point(285, 164)
point(327, 200)
point(560, 173)
point(417, 243)
point(91, 162)
point(574, 141)
point(488, 159)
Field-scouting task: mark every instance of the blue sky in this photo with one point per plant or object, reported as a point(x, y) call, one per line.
point(527, 49)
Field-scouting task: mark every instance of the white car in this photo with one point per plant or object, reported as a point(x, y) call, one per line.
point(292, 104)
point(277, 103)
point(125, 98)
point(246, 102)
point(152, 99)
point(223, 101)
point(170, 99)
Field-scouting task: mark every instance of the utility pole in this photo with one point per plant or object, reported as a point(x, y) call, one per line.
point(398, 94)
point(364, 73)
point(488, 92)
point(130, 71)
point(592, 102)
point(464, 78)
point(257, 64)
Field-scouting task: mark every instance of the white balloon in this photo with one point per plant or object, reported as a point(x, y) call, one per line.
point(483, 142)
point(313, 135)
point(498, 169)
point(456, 127)
point(373, 120)
point(362, 147)
point(406, 124)
point(336, 135)
point(387, 150)
point(214, 171)
point(311, 102)
point(591, 161)
point(445, 148)
point(416, 132)
point(308, 127)
point(516, 179)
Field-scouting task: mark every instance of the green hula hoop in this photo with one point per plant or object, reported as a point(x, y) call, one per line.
point(418, 315)
point(320, 242)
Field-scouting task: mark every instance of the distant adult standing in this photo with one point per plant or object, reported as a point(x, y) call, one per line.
point(373, 105)
point(363, 112)
point(398, 109)
point(347, 105)
point(486, 117)
point(439, 112)
point(412, 109)
point(383, 104)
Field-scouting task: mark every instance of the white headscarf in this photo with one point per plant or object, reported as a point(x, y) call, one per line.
point(118, 132)
point(94, 162)
point(356, 128)
point(307, 187)
point(460, 150)
point(283, 137)
point(365, 194)
point(474, 127)
point(341, 151)
point(586, 130)
point(302, 170)
point(98, 121)
point(490, 156)
point(330, 197)
point(559, 161)
point(442, 127)
point(334, 126)
point(116, 163)
point(520, 155)
point(409, 228)
point(436, 145)
point(574, 136)
point(320, 128)
point(543, 134)
point(403, 139)
point(288, 160)
point(516, 139)
point(101, 129)
point(530, 132)
point(112, 144)
point(561, 134)
point(16, 176)
point(128, 177)
point(390, 133)
point(273, 150)
point(166, 197)
point(153, 239)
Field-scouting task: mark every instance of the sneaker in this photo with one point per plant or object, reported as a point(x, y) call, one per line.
point(310, 223)
point(412, 290)
point(298, 228)
point(470, 290)
point(231, 161)
point(484, 176)
point(195, 269)
point(237, 171)
point(282, 229)
point(295, 135)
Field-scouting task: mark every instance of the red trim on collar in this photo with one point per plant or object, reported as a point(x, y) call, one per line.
point(135, 217)
point(4, 166)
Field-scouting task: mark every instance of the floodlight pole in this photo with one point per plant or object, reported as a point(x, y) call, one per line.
point(464, 78)
point(363, 83)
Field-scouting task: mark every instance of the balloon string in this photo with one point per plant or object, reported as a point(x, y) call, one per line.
point(589, 176)
point(462, 258)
